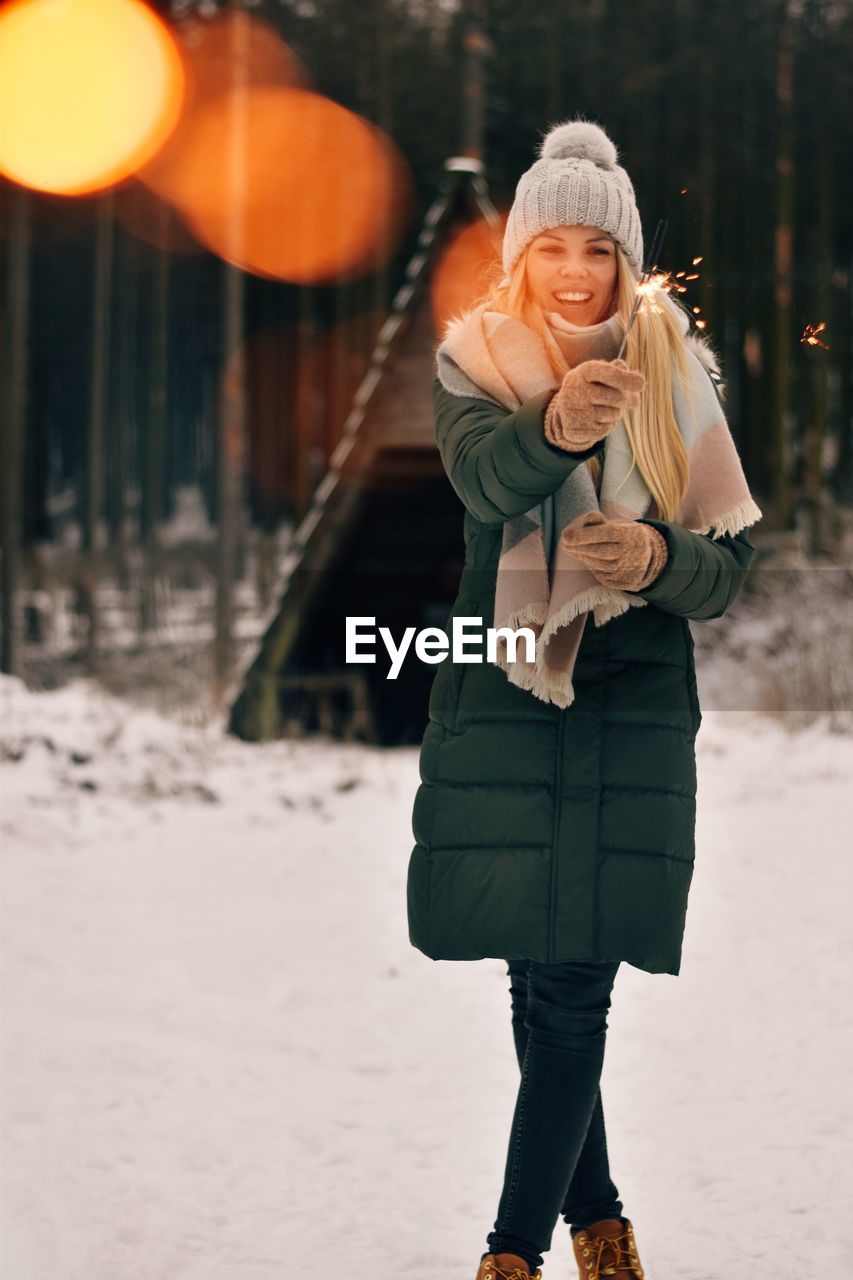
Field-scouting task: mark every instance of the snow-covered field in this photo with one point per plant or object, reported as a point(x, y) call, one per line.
point(223, 1060)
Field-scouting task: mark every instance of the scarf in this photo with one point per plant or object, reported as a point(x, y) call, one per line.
point(539, 584)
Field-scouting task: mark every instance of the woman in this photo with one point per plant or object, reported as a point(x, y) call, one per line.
point(555, 819)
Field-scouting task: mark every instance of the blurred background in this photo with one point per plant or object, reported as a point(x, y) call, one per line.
point(230, 238)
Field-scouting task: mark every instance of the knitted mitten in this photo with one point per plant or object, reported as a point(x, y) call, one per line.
point(623, 554)
point(591, 397)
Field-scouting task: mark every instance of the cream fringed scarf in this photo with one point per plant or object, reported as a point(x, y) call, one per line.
point(539, 584)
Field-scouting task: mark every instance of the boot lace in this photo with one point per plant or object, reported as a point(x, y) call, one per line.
point(610, 1256)
point(516, 1274)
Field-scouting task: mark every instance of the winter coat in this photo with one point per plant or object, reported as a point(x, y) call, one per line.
point(556, 834)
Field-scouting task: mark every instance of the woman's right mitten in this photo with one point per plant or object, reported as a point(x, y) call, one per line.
point(590, 399)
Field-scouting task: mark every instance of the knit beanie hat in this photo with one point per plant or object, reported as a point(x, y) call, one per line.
point(575, 182)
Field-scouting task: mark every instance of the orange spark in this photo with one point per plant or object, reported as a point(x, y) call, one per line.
point(666, 282)
point(810, 337)
point(649, 292)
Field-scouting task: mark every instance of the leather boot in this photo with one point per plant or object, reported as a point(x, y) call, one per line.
point(607, 1248)
point(506, 1266)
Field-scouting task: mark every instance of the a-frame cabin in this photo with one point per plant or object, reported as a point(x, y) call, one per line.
point(382, 537)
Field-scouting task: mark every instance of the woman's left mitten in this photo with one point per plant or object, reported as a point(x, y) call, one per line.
point(622, 554)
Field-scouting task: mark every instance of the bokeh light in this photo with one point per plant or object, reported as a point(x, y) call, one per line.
point(152, 220)
point(222, 56)
point(219, 49)
point(463, 271)
point(289, 185)
point(89, 91)
point(270, 176)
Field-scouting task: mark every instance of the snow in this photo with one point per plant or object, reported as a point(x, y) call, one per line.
point(223, 1060)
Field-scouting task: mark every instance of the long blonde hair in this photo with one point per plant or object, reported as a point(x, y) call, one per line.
point(655, 346)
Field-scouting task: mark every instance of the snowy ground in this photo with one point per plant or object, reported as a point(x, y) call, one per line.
point(223, 1060)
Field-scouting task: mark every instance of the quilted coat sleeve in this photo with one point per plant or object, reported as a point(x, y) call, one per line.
point(500, 463)
point(703, 576)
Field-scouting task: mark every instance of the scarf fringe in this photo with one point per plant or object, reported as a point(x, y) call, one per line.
point(586, 603)
point(740, 517)
point(603, 603)
point(615, 608)
point(534, 613)
point(556, 688)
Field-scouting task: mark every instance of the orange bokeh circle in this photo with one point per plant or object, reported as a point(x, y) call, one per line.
point(287, 184)
point(233, 45)
point(222, 55)
point(467, 263)
point(89, 91)
point(152, 220)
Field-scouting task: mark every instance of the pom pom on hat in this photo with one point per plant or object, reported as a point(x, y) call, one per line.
point(575, 181)
point(580, 140)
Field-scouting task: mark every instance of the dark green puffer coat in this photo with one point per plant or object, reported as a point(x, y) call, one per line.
point(547, 833)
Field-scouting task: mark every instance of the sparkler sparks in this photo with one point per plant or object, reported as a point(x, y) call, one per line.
point(649, 291)
point(648, 268)
point(810, 335)
point(653, 283)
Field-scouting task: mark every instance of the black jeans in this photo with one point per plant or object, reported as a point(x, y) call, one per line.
point(557, 1159)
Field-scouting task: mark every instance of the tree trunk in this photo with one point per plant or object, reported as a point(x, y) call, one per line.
point(707, 195)
point(844, 473)
point(232, 396)
point(17, 344)
point(819, 366)
point(153, 451)
point(782, 425)
point(94, 481)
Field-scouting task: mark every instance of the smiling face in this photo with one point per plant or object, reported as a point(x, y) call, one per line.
point(573, 271)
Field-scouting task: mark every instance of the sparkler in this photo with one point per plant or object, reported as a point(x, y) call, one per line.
point(643, 288)
point(810, 337)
